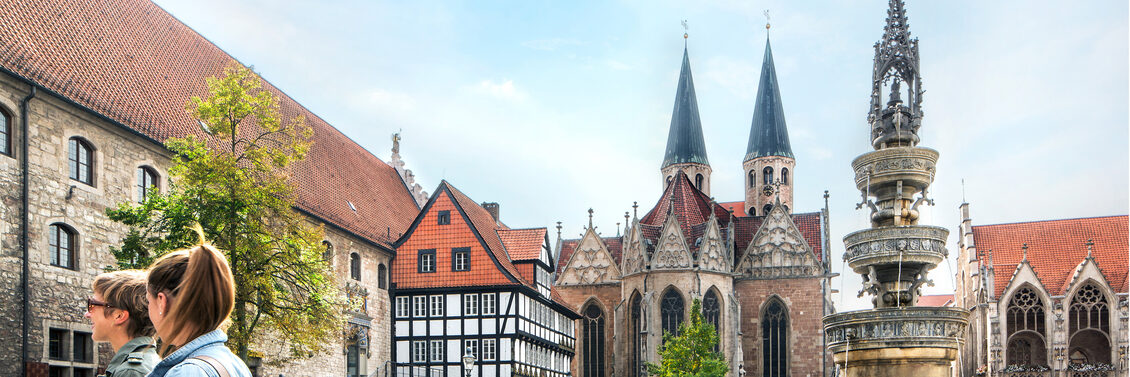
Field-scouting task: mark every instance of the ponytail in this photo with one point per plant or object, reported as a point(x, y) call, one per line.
point(200, 291)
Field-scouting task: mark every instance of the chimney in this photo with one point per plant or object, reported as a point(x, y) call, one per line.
point(491, 207)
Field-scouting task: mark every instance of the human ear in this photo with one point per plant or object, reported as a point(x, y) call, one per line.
point(121, 317)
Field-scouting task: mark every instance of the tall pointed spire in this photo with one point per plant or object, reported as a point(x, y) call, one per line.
point(684, 141)
point(896, 123)
point(768, 135)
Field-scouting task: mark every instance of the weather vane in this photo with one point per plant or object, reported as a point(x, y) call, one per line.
point(685, 29)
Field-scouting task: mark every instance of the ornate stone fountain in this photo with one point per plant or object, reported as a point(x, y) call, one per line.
point(896, 338)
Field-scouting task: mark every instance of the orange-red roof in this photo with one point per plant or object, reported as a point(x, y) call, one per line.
point(523, 244)
point(1055, 249)
point(135, 64)
point(935, 300)
point(614, 244)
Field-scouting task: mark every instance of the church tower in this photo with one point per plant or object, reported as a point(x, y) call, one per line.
point(686, 150)
point(769, 160)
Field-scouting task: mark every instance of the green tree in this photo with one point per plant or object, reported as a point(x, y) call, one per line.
point(691, 353)
point(235, 185)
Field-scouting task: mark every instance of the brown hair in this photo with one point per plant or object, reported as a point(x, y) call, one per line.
point(200, 290)
point(125, 290)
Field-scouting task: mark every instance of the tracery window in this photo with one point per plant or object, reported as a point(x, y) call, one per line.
point(774, 335)
point(1089, 325)
point(767, 175)
point(1026, 329)
point(671, 311)
point(712, 313)
point(593, 343)
point(637, 333)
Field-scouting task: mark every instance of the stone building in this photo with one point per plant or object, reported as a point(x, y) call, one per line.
point(465, 283)
point(760, 270)
point(1048, 298)
point(88, 93)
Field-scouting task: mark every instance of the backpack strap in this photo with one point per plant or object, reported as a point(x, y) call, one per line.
point(223, 372)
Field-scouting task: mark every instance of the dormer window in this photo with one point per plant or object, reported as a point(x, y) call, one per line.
point(443, 218)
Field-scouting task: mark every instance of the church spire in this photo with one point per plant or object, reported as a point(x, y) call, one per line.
point(768, 135)
point(684, 140)
point(896, 123)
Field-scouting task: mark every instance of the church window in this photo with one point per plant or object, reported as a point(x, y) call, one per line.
point(698, 181)
point(426, 261)
point(775, 335)
point(355, 266)
point(671, 311)
point(1089, 325)
point(328, 251)
point(593, 342)
point(637, 331)
point(784, 176)
point(382, 276)
point(146, 181)
point(767, 175)
point(712, 313)
point(765, 210)
point(81, 156)
point(1026, 328)
point(752, 179)
point(61, 246)
point(461, 259)
point(443, 218)
point(5, 132)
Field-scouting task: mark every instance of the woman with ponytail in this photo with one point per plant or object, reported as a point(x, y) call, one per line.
point(191, 294)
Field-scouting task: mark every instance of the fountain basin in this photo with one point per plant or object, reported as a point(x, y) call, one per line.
point(921, 247)
point(906, 341)
point(912, 165)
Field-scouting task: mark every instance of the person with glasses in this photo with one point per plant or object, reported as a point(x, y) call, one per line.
point(119, 314)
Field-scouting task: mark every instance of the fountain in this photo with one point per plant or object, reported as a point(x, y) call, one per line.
point(896, 338)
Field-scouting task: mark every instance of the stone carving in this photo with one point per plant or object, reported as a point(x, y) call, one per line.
point(885, 328)
point(713, 255)
point(778, 250)
point(635, 258)
point(672, 250)
point(590, 263)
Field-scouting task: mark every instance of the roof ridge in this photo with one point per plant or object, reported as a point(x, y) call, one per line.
point(1051, 220)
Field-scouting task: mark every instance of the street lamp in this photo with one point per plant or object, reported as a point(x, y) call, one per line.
point(468, 361)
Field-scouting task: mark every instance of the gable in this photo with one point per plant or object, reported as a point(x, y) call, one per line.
point(714, 254)
point(635, 252)
point(671, 250)
point(778, 250)
point(590, 263)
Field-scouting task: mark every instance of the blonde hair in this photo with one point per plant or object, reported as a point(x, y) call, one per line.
point(200, 289)
point(125, 290)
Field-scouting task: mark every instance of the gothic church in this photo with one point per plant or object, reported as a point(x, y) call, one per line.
point(760, 270)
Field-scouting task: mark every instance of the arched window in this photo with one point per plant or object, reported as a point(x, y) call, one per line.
point(671, 311)
point(637, 331)
point(5, 132)
point(712, 313)
point(765, 210)
point(767, 175)
point(61, 245)
point(146, 181)
point(327, 251)
point(355, 266)
point(1026, 329)
point(753, 211)
point(774, 336)
point(752, 179)
point(382, 276)
point(784, 176)
point(1089, 325)
point(592, 346)
point(81, 157)
point(698, 181)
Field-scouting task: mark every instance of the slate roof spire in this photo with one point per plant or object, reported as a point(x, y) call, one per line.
point(684, 141)
point(768, 135)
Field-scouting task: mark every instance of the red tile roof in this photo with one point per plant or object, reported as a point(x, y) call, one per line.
point(738, 208)
point(132, 62)
point(615, 246)
point(935, 300)
point(808, 224)
point(692, 206)
point(523, 244)
point(1055, 249)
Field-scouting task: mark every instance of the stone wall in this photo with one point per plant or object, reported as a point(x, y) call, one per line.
point(608, 297)
point(805, 304)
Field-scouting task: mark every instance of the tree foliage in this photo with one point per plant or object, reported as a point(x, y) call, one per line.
point(691, 353)
point(235, 185)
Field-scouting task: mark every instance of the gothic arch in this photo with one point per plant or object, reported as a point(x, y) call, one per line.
point(637, 325)
point(672, 309)
point(594, 321)
point(1089, 327)
point(712, 305)
point(1026, 327)
point(775, 332)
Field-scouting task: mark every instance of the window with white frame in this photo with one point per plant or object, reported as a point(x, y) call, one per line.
point(490, 349)
point(437, 306)
point(461, 259)
point(419, 351)
point(420, 306)
point(436, 350)
point(402, 310)
point(488, 304)
point(471, 346)
point(471, 304)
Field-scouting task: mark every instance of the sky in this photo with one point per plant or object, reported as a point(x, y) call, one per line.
point(552, 108)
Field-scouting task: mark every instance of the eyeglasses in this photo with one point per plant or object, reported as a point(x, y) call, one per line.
point(91, 303)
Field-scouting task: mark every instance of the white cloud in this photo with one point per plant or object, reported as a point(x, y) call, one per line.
point(504, 89)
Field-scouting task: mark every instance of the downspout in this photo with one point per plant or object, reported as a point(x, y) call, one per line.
point(24, 220)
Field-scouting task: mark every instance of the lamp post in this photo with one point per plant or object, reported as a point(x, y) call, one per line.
point(468, 362)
